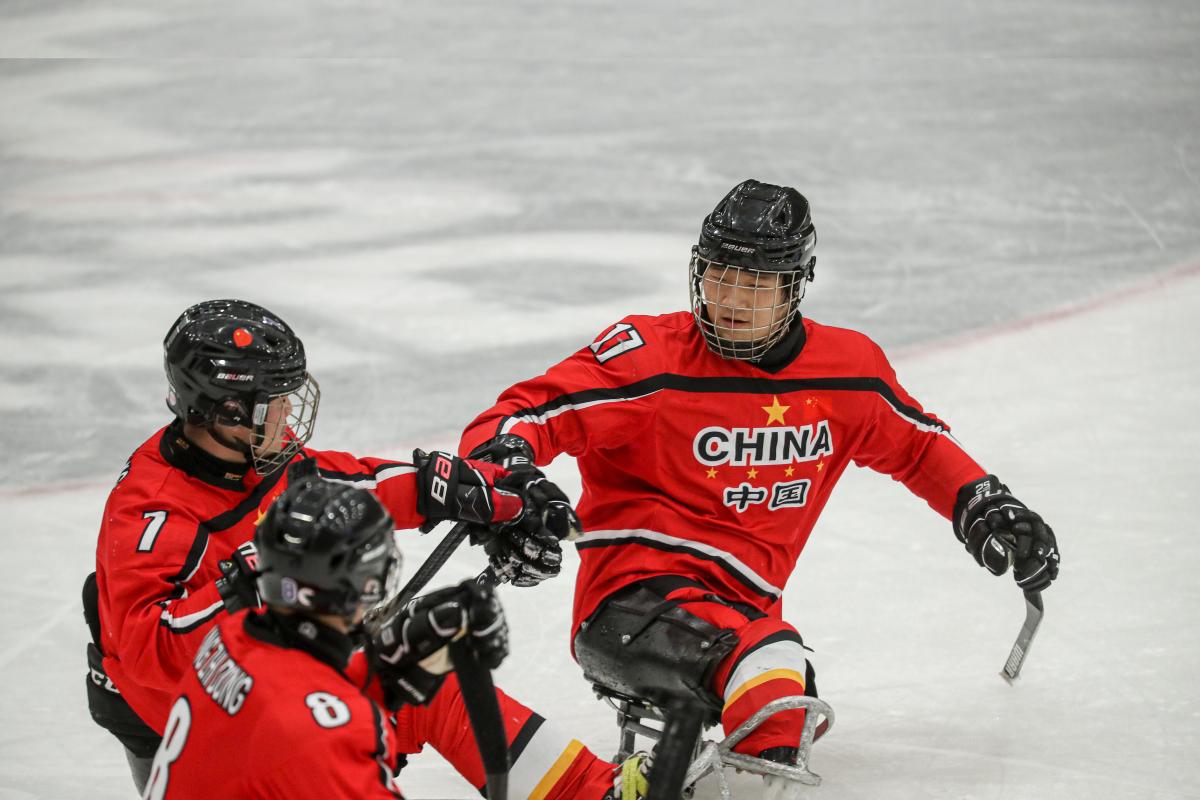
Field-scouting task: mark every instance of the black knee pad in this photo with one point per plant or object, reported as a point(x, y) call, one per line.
point(108, 708)
point(110, 711)
point(645, 647)
point(91, 606)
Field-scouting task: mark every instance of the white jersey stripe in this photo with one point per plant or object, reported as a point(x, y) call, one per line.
point(541, 754)
point(530, 416)
point(542, 419)
point(370, 483)
point(785, 655)
point(191, 619)
point(921, 426)
point(387, 473)
point(731, 562)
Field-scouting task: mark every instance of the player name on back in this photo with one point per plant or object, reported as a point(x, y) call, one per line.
point(222, 677)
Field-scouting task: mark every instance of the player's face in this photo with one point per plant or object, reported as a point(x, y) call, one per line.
point(744, 305)
point(274, 427)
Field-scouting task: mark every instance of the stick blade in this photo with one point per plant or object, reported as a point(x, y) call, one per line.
point(1020, 648)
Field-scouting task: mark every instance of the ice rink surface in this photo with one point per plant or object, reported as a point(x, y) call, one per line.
point(445, 198)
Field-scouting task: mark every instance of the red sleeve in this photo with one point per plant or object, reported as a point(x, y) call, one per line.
point(571, 408)
point(393, 482)
point(153, 625)
point(913, 447)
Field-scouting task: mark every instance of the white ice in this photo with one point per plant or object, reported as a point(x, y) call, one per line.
point(444, 200)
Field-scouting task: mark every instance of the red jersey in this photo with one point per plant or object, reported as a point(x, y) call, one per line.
point(174, 513)
point(264, 714)
point(279, 706)
point(717, 468)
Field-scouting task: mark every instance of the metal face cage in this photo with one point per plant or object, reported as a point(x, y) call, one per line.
point(744, 312)
point(283, 423)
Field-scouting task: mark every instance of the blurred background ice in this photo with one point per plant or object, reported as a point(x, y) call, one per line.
point(445, 198)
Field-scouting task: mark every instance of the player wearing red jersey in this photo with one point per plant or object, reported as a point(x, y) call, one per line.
point(173, 557)
point(708, 443)
point(295, 701)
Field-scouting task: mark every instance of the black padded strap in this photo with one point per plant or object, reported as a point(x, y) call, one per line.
point(91, 607)
point(665, 585)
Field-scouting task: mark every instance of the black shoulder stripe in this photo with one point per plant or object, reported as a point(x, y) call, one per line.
point(228, 519)
point(224, 521)
point(389, 464)
point(195, 553)
point(724, 385)
point(351, 477)
point(361, 476)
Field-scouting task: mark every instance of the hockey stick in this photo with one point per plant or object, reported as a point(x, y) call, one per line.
point(483, 709)
point(474, 680)
point(673, 754)
point(1020, 649)
point(437, 559)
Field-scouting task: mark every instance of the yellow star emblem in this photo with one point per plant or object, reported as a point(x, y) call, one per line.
point(265, 507)
point(820, 466)
point(789, 471)
point(712, 473)
point(775, 411)
point(752, 473)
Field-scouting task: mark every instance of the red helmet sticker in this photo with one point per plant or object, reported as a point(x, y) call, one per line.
point(242, 337)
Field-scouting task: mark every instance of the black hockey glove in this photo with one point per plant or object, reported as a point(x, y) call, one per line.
point(528, 550)
point(408, 650)
point(449, 487)
point(545, 506)
point(238, 584)
point(999, 530)
point(538, 494)
point(508, 450)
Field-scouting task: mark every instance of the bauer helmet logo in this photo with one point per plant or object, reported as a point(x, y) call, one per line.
point(242, 337)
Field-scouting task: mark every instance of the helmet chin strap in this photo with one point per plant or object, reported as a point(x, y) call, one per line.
point(229, 442)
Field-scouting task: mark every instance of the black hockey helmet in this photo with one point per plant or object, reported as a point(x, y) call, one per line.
point(226, 362)
point(760, 226)
point(756, 228)
point(326, 548)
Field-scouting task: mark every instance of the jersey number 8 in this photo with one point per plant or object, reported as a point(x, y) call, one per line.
point(327, 709)
point(179, 724)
